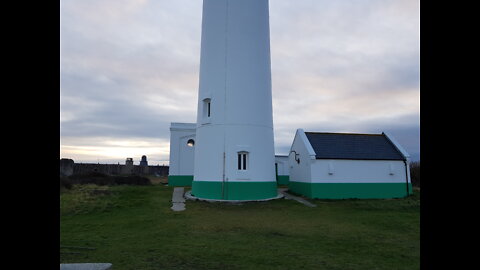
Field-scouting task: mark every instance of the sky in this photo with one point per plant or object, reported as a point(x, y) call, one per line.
point(128, 68)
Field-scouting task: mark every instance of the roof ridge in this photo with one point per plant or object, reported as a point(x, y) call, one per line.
point(346, 133)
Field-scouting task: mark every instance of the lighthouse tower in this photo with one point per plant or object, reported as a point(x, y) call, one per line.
point(234, 155)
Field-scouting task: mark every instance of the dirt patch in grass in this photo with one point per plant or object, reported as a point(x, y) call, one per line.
point(158, 180)
point(83, 199)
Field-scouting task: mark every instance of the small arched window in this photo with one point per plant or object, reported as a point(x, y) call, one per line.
point(242, 160)
point(191, 143)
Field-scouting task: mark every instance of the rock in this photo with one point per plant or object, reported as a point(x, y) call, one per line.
point(85, 266)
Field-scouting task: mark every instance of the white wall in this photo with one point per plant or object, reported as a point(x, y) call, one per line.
point(358, 171)
point(282, 165)
point(235, 76)
point(400, 148)
point(181, 155)
point(300, 172)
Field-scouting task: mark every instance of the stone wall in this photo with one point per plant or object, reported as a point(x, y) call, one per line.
point(68, 167)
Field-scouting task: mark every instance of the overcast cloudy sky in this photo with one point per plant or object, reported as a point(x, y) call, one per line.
point(130, 67)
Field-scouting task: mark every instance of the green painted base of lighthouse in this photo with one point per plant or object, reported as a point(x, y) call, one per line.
point(244, 190)
point(180, 180)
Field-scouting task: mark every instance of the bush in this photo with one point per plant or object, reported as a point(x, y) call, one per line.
point(415, 173)
point(132, 180)
point(96, 178)
point(88, 175)
point(65, 183)
point(104, 179)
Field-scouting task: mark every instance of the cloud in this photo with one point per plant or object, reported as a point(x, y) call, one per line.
point(344, 66)
point(129, 68)
point(114, 150)
point(124, 69)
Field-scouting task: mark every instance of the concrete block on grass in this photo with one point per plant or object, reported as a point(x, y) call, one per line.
point(85, 266)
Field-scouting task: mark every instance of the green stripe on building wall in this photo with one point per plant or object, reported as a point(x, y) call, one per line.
point(217, 190)
point(180, 180)
point(350, 190)
point(283, 179)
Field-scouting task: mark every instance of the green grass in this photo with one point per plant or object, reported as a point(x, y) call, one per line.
point(132, 227)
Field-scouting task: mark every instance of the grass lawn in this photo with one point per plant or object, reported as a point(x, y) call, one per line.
point(132, 227)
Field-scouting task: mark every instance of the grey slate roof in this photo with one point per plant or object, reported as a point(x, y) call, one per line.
point(353, 146)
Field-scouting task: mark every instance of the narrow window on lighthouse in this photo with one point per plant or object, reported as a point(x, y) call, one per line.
point(242, 161)
point(206, 107)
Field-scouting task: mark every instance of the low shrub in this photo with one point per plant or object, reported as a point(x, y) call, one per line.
point(101, 179)
point(96, 178)
point(88, 175)
point(132, 180)
point(65, 183)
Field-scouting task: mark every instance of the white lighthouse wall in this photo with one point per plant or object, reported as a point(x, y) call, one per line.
point(249, 99)
point(235, 80)
point(235, 77)
point(235, 63)
point(212, 62)
point(209, 165)
point(257, 142)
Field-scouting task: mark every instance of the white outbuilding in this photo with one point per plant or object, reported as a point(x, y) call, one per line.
point(182, 150)
point(228, 154)
point(345, 165)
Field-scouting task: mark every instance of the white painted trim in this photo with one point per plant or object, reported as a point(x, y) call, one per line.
point(183, 126)
point(397, 145)
point(348, 181)
point(306, 142)
point(243, 148)
point(236, 180)
point(189, 196)
point(206, 95)
point(408, 171)
point(190, 136)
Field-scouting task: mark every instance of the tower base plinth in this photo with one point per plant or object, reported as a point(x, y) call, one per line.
point(237, 191)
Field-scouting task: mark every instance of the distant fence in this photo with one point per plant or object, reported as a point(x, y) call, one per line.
point(69, 167)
